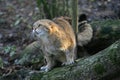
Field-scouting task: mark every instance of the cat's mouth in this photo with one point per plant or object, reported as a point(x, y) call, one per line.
point(36, 32)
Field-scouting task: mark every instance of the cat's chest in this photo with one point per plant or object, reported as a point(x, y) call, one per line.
point(50, 49)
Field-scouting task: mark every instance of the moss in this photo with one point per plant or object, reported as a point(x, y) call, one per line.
point(1, 63)
point(99, 68)
point(36, 77)
point(76, 74)
point(106, 23)
point(114, 54)
point(57, 72)
point(114, 57)
point(107, 28)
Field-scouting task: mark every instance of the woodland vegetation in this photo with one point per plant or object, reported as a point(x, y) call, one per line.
point(21, 58)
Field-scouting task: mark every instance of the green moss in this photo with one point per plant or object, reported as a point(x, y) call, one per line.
point(36, 77)
point(107, 28)
point(99, 68)
point(76, 74)
point(57, 72)
point(1, 63)
point(114, 54)
point(114, 57)
point(106, 23)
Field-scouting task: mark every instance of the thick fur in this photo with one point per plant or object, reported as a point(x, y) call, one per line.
point(57, 41)
point(85, 33)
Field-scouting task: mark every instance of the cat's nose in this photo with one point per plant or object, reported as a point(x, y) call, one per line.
point(36, 31)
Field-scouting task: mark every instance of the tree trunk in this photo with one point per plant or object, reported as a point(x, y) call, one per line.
point(74, 15)
point(104, 65)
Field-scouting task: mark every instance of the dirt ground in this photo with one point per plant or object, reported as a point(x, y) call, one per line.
point(16, 19)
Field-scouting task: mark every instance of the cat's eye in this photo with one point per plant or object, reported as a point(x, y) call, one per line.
point(39, 25)
point(46, 29)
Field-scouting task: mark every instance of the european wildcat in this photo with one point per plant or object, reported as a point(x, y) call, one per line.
point(57, 41)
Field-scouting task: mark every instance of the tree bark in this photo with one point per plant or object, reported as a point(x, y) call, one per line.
point(101, 66)
point(74, 14)
point(31, 55)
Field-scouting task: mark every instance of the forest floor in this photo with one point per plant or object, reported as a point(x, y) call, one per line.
point(16, 19)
